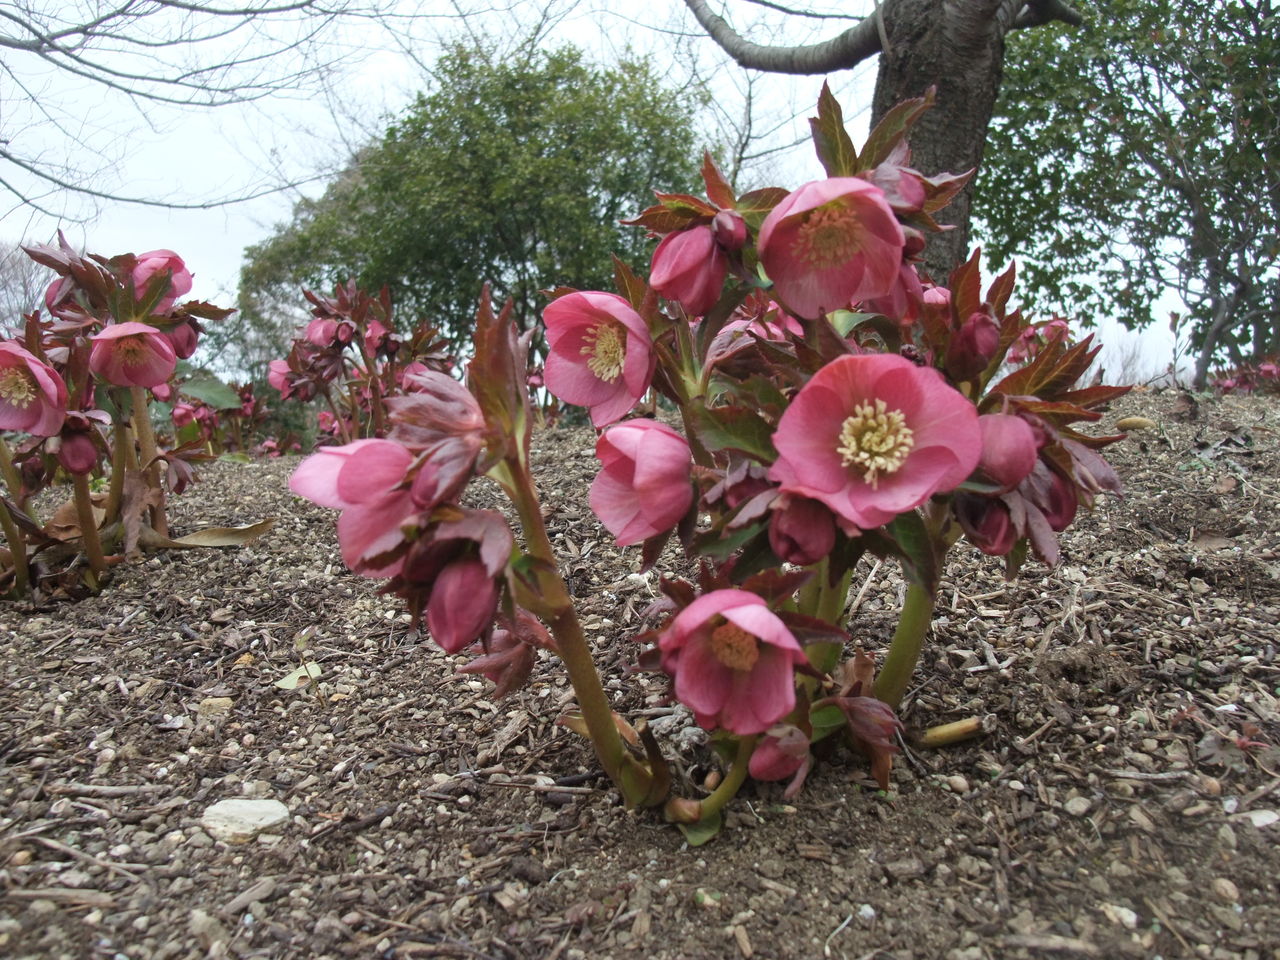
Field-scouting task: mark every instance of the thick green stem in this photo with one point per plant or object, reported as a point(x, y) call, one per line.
point(631, 777)
point(147, 454)
point(88, 524)
point(121, 443)
point(904, 651)
point(17, 549)
point(9, 473)
point(733, 780)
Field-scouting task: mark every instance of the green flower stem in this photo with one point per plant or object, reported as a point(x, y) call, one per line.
point(147, 454)
point(88, 525)
point(17, 549)
point(904, 650)
point(121, 444)
point(375, 390)
point(9, 473)
point(632, 778)
point(733, 780)
point(337, 418)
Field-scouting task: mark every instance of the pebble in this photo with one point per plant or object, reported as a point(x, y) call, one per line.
point(239, 820)
point(957, 783)
point(1224, 890)
point(1077, 806)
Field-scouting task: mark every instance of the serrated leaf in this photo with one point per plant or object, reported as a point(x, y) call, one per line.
point(686, 203)
point(660, 219)
point(966, 286)
point(835, 150)
point(892, 129)
point(630, 286)
point(919, 559)
point(735, 428)
point(755, 205)
point(718, 190)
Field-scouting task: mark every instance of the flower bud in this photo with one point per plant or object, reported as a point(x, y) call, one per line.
point(972, 347)
point(780, 753)
point(160, 261)
point(76, 452)
point(463, 601)
point(801, 531)
point(690, 268)
point(730, 230)
point(1009, 449)
point(987, 523)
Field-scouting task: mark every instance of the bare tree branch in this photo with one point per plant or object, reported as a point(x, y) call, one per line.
point(848, 49)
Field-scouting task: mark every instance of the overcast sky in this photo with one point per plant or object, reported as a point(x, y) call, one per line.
point(141, 148)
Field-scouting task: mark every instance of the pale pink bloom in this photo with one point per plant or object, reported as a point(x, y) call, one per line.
point(600, 354)
point(1268, 370)
point(972, 347)
point(160, 261)
point(689, 267)
point(733, 661)
point(183, 414)
point(132, 355)
point(184, 338)
point(33, 398)
point(278, 376)
point(463, 601)
point(902, 302)
point(643, 487)
point(1009, 449)
point(780, 753)
point(830, 243)
point(872, 436)
point(366, 481)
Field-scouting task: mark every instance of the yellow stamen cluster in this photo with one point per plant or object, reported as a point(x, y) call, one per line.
point(874, 440)
point(605, 351)
point(734, 647)
point(17, 387)
point(828, 237)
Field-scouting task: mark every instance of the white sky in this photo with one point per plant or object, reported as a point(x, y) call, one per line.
point(153, 150)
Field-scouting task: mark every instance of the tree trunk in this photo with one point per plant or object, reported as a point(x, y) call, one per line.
point(957, 46)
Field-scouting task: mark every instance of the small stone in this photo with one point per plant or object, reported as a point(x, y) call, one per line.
point(907, 869)
point(957, 784)
point(42, 907)
point(1224, 890)
point(866, 913)
point(213, 708)
point(240, 820)
point(20, 858)
point(206, 929)
point(1121, 916)
point(1077, 806)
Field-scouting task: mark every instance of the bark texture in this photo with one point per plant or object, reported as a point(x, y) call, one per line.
point(958, 47)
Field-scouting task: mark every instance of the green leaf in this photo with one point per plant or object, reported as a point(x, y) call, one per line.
point(718, 190)
point(212, 391)
point(836, 151)
point(892, 129)
point(916, 549)
point(735, 428)
point(705, 830)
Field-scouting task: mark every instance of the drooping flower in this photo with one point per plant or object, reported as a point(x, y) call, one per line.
point(643, 487)
point(463, 601)
point(873, 435)
point(33, 398)
point(600, 354)
point(733, 661)
point(830, 243)
point(366, 481)
point(689, 267)
point(132, 355)
point(972, 347)
point(781, 753)
point(159, 261)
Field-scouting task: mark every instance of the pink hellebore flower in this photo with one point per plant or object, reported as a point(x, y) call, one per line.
point(132, 355)
point(801, 531)
point(601, 356)
point(33, 397)
point(733, 661)
point(643, 486)
point(780, 754)
point(159, 261)
point(689, 267)
point(463, 601)
point(365, 480)
point(1009, 449)
point(872, 436)
point(184, 338)
point(829, 243)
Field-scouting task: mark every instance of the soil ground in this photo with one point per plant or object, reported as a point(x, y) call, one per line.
point(1110, 811)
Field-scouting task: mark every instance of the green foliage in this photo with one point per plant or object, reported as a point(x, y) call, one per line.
point(513, 173)
point(1141, 152)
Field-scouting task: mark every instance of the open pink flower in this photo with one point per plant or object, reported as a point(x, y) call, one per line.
point(643, 486)
point(733, 661)
point(689, 267)
point(132, 355)
point(33, 397)
point(829, 243)
point(366, 481)
point(160, 261)
point(600, 354)
point(873, 435)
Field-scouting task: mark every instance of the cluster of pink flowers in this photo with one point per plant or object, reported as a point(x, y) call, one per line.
point(1248, 378)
